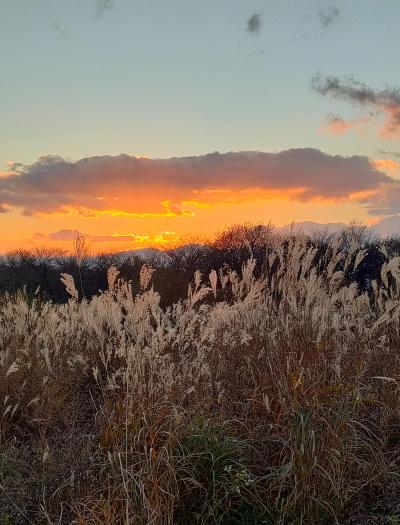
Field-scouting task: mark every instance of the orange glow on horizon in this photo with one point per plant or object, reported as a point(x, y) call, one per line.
point(216, 199)
point(120, 219)
point(121, 232)
point(126, 202)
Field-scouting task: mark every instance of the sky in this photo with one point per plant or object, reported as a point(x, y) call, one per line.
point(149, 123)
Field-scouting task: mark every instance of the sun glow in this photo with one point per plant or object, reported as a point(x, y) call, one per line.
point(125, 202)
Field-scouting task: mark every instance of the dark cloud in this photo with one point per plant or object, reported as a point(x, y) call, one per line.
point(329, 16)
point(395, 154)
point(104, 5)
point(386, 101)
point(347, 89)
point(254, 23)
point(59, 27)
point(127, 185)
point(386, 201)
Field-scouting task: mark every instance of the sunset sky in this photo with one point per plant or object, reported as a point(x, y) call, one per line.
point(151, 122)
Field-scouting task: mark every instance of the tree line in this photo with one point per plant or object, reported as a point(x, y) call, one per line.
point(38, 270)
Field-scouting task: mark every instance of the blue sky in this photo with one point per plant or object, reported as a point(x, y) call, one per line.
point(181, 77)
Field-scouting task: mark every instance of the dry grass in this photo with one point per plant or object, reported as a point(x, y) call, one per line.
point(271, 400)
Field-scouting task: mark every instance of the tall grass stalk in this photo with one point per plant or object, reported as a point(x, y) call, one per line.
point(271, 399)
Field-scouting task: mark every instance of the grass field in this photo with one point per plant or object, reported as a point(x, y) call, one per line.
point(268, 400)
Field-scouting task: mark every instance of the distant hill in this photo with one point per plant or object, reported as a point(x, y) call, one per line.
point(311, 227)
point(387, 227)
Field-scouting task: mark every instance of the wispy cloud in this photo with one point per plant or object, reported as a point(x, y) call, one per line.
point(395, 154)
point(337, 125)
point(124, 185)
point(386, 200)
point(329, 16)
point(59, 28)
point(384, 102)
point(102, 6)
point(254, 23)
point(68, 235)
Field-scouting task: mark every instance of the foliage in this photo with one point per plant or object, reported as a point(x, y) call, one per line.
point(260, 397)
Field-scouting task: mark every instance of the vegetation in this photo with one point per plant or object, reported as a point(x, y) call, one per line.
point(268, 394)
point(38, 270)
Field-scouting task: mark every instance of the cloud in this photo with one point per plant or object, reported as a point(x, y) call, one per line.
point(254, 23)
point(66, 235)
point(104, 5)
point(386, 201)
point(387, 165)
point(124, 185)
point(395, 154)
point(329, 16)
point(337, 125)
point(59, 27)
point(385, 102)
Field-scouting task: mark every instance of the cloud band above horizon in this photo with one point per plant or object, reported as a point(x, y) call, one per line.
point(130, 186)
